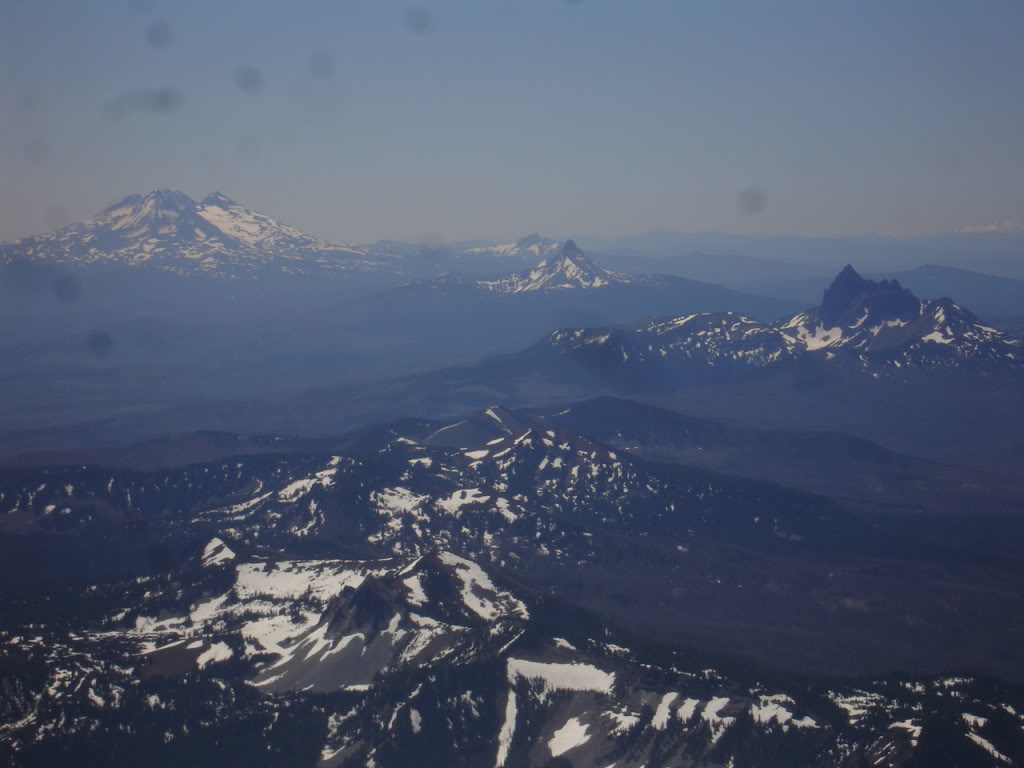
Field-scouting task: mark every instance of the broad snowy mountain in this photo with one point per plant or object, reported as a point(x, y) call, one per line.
point(167, 230)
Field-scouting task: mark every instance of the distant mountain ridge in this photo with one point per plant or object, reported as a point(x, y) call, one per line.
point(567, 269)
point(529, 248)
point(167, 230)
point(463, 317)
point(749, 258)
point(563, 267)
point(878, 324)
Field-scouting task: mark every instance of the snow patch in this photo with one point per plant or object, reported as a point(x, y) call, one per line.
point(719, 724)
point(216, 652)
point(454, 503)
point(215, 553)
point(417, 595)
point(988, 747)
point(478, 591)
point(508, 729)
point(562, 677)
point(569, 736)
point(820, 337)
point(913, 730)
point(664, 710)
point(687, 709)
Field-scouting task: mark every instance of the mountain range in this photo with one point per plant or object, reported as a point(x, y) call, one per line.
point(433, 661)
point(168, 231)
point(142, 229)
point(551, 505)
point(543, 591)
point(879, 324)
point(893, 360)
point(274, 501)
point(464, 317)
point(858, 473)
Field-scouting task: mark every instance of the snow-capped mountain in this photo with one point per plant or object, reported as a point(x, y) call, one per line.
point(168, 230)
point(529, 248)
point(566, 269)
point(567, 274)
point(885, 322)
point(876, 324)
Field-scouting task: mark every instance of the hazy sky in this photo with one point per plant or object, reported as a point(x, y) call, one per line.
point(363, 120)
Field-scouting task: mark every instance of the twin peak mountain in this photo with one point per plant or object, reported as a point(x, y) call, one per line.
point(169, 231)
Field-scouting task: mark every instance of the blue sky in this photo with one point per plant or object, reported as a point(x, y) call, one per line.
point(452, 120)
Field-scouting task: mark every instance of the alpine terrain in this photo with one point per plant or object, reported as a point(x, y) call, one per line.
point(167, 230)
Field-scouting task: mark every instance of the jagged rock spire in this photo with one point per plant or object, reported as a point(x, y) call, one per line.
point(850, 294)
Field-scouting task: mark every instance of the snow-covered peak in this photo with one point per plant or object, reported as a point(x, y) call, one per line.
point(218, 198)
point(884, 318)
point(569, 268)
point(154, 213)
point(168, 230)
point(253, 229)
point(571, 251)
